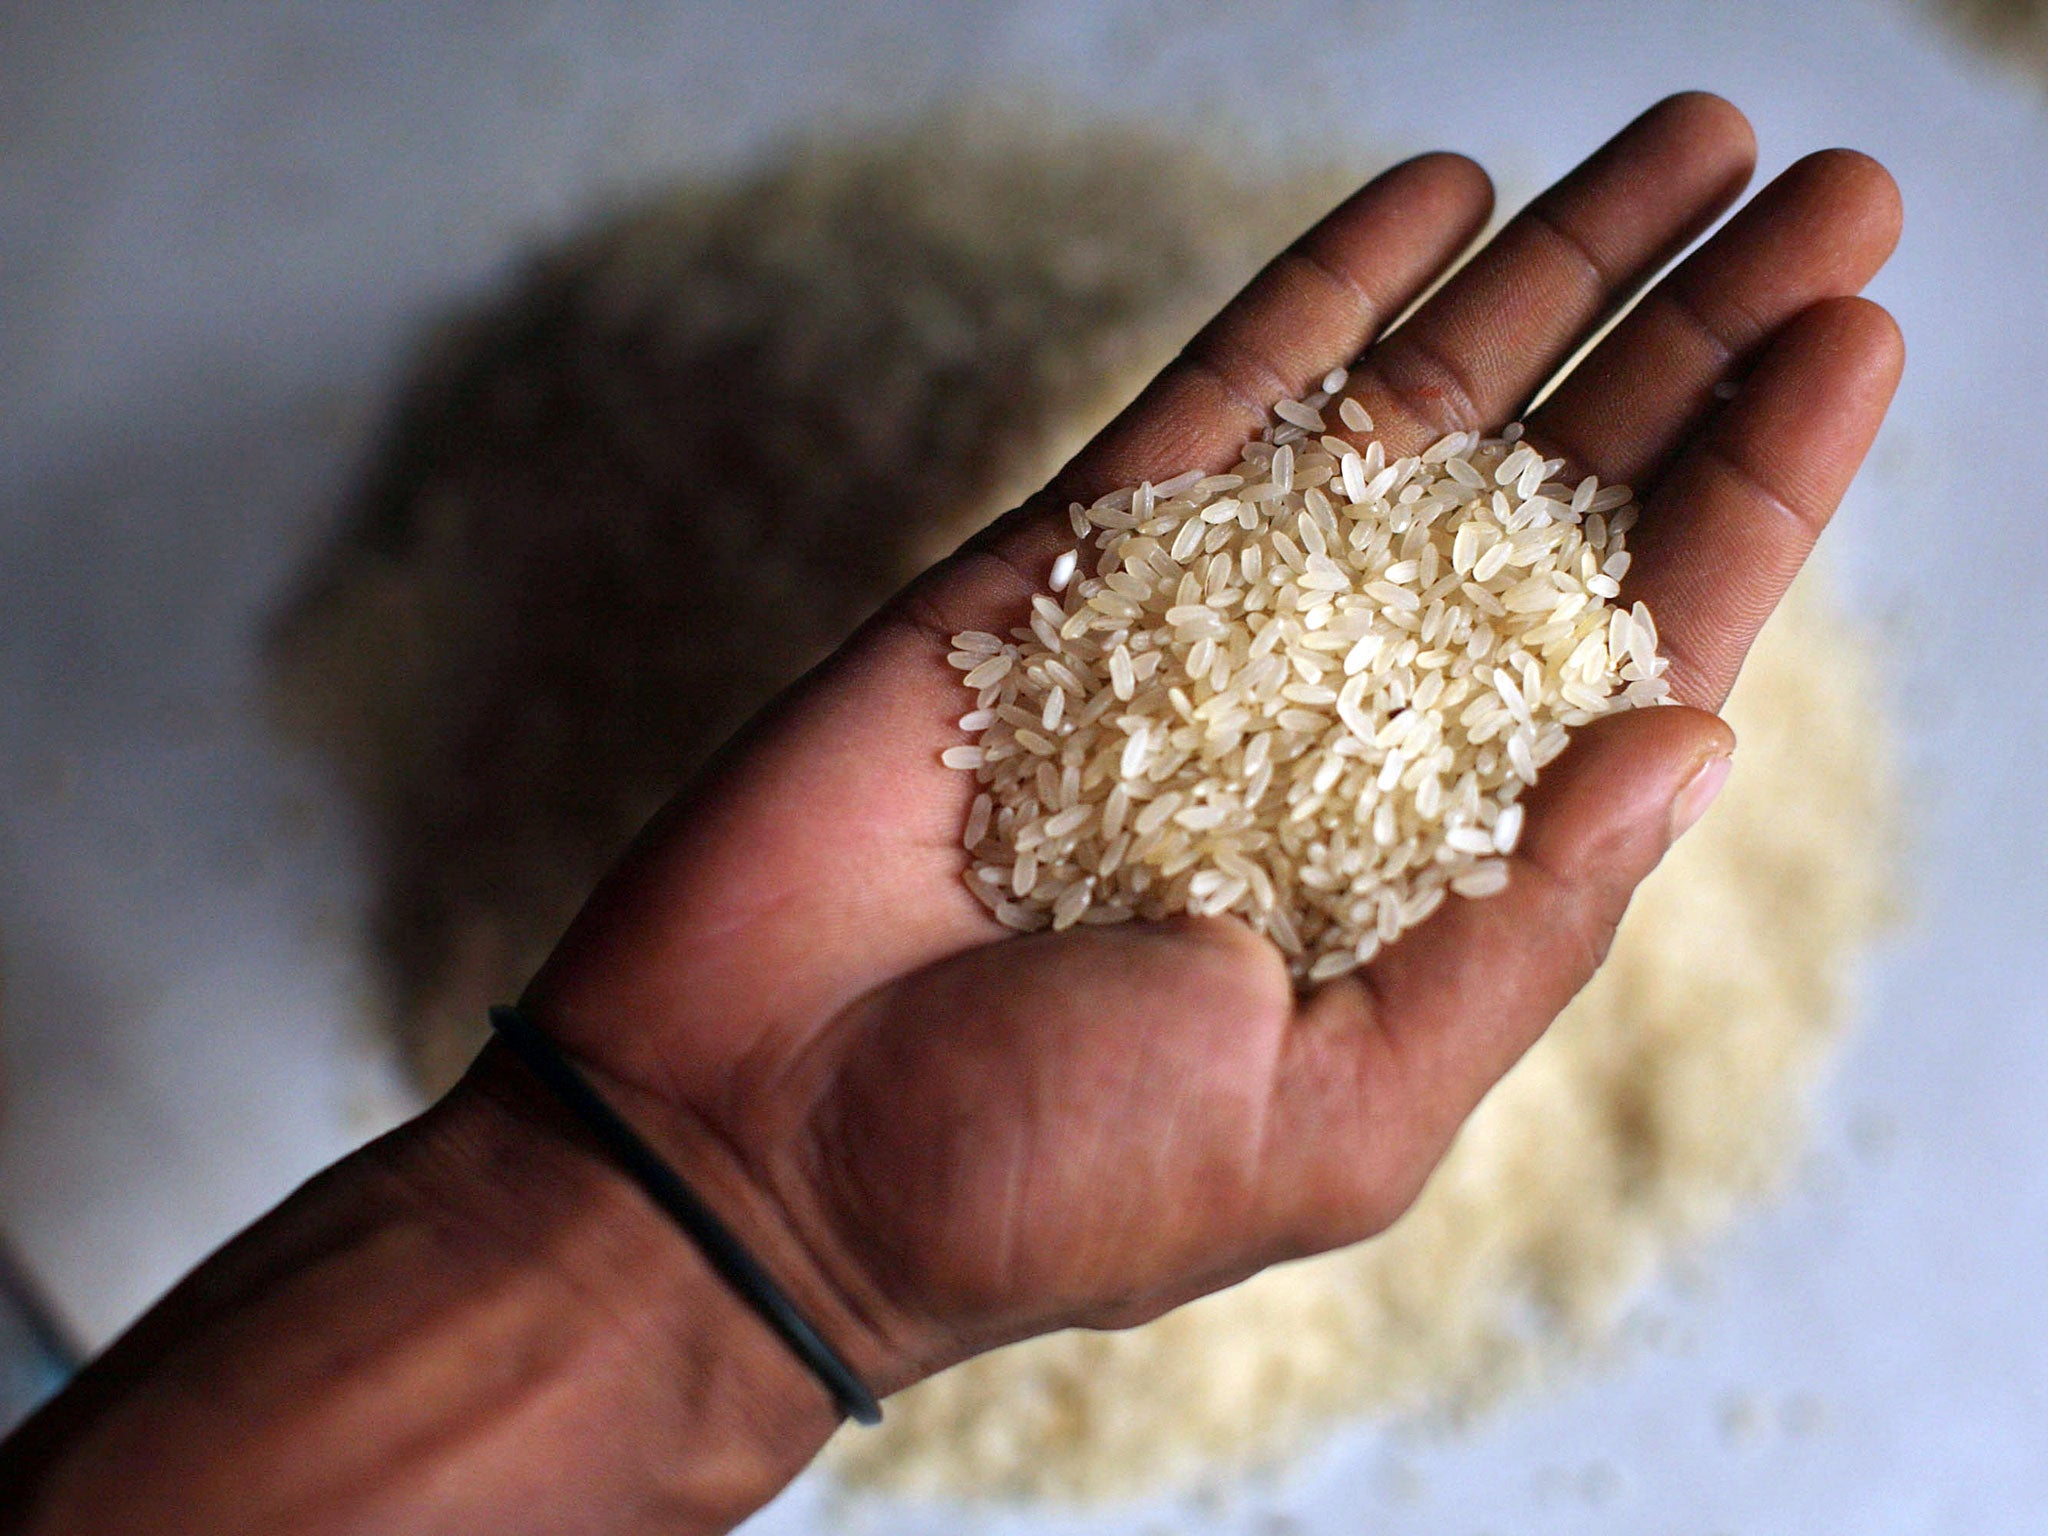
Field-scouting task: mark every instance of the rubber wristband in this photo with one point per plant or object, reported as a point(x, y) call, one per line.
point(665, 1187)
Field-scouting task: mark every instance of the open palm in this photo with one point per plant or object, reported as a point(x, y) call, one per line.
point(943, 1135)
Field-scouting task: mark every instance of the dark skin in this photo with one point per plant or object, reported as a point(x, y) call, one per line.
point(942, 1137)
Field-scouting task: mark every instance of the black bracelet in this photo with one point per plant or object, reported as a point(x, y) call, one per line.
point(665, 1187)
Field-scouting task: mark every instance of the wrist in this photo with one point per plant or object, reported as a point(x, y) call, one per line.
point(472, 1324)
point(678, 1375)
point(745, 1139)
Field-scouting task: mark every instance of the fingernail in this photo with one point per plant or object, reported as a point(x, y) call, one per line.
point(1691, 802)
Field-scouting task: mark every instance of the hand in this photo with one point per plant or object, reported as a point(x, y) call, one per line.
point(945, 1136)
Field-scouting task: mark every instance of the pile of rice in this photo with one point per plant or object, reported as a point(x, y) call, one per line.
point(1309, 691)
point(2015, 32)
point(606, 449)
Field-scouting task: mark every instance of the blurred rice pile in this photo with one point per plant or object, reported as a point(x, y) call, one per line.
point(2013, 31)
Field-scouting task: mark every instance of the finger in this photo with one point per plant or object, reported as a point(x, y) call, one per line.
point(1385, 1065)
point(1480, 348)
point(1314, 307)
point(1820, 231)
point(1728, 527)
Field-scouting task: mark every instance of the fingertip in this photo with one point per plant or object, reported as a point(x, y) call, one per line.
point(1669, 722)
point(1888, 338)
point(1445, 182)
point(1636, 760)
point(1852, 167)
point(1855, 344)
point(1710, 119)
point(1668, 730)
point(1703, 732)
point(1692, 153)
point(1453, 168)
point(1858, 188)
point(1867, 332)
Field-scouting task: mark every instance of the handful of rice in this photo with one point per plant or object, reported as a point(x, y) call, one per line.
point(1309, 691)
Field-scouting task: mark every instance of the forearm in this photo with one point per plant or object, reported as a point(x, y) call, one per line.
point(472, 1325)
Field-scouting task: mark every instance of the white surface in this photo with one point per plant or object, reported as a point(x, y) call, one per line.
point(220, 227)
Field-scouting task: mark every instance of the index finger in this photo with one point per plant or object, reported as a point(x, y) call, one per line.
point(1314, 307)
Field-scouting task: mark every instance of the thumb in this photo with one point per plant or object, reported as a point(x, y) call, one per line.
point(1442, 1015)
point(1479, 983)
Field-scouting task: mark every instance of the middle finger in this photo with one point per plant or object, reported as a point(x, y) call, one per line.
point(1818, 232)
point(1480, 348)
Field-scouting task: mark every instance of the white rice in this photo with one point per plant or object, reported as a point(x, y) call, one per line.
point(1309, 692)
